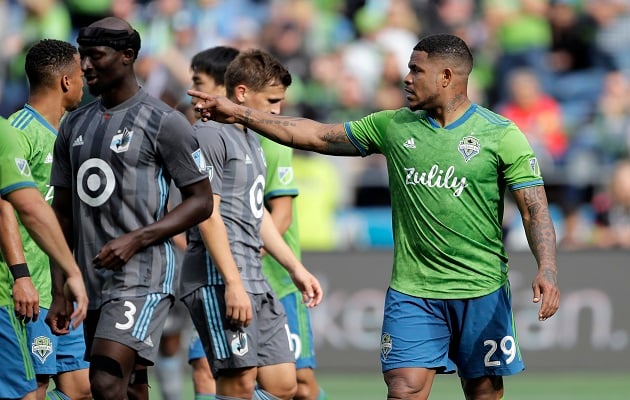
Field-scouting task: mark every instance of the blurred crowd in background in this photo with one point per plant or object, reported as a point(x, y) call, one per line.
point(560, 69)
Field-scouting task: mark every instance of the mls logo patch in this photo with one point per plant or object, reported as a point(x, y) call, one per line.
point(386, 345)
point(285, 175)
point(239, 344)
point(23, 167)
point(42, 348)
point(121, 142)
point(201, 163)
point(469, 147)
point(533, 164)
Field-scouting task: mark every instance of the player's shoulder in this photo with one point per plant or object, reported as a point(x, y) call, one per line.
point(156, 103)
point(491, 117)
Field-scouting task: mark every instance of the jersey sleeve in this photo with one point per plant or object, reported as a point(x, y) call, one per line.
point(280, 178)
point(15, 172)
point(214, 152)
point(366, 133)
point(519, 163)
point(179, 150)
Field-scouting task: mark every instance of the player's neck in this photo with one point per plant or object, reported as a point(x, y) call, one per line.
point(49, 105)
point(451, 111)
point(120, 93)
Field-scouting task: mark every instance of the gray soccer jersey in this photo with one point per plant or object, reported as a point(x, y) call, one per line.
point(236, 169)
point(119, 163)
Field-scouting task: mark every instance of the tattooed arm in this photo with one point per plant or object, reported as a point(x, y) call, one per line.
point(299, 133)
point(541, 236)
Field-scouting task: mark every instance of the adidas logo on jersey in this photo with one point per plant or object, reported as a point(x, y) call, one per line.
point(247, 159)
point(410, 144)
point(78, 141)
point(148, 341)
point(48, 159)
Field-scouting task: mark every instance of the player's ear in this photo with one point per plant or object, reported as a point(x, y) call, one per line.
point(240, 93)
point(129, 56)
point(65, 83)
point(446, 77)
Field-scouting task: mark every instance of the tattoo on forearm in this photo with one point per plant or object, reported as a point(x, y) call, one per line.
point(541, 230)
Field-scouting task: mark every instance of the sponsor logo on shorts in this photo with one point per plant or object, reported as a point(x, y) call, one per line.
point(42, 348)
point(386, 345)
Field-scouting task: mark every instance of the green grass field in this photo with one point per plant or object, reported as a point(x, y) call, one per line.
point(526, 386)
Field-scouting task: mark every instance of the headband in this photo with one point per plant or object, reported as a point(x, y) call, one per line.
point(115, 38)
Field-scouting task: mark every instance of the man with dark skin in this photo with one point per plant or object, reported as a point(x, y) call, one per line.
point(450, 161)
point(114, 160)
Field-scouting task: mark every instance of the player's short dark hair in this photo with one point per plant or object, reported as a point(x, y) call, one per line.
point(256, 69)
point(47, 60)
point(213, 62)
point(447, 46)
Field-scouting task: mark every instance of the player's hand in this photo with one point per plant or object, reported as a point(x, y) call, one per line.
point(116, 253)
point(312, 293)
point(545, 287)
point(25, 299)
point(76, 297)
point(237, 304)
point(212, 107)
point(58, 317)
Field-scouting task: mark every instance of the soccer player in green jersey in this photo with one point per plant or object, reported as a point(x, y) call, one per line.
point(55, 81)
point(450, 162)
point(17, 377)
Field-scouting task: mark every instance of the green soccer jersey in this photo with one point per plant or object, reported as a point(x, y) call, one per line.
point(40, 136)
point(15, 174)
point(280, 182)
point(447, 188)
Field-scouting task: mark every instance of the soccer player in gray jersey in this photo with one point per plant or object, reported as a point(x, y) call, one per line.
point(450, 162)
point(113, 163)
point(240, 321)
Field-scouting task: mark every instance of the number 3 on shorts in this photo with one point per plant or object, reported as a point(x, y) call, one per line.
point(508, 347)
point(131, 311)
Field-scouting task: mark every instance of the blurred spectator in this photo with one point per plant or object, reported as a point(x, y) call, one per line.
point(577, 65)
point(11, 18)
point(522, 36)
point(42, 19)
point(613, 210)
point(538, 115)
point(613, 35)
point(167, 45)
point(84, 12)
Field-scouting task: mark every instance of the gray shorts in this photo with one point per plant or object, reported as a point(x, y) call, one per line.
point(136, 322)
point(264, 342)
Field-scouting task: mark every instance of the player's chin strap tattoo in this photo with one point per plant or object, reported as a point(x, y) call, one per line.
point(117, 39)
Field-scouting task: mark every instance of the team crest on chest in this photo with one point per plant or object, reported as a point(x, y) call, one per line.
point(469, 147)
point(121, 141)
